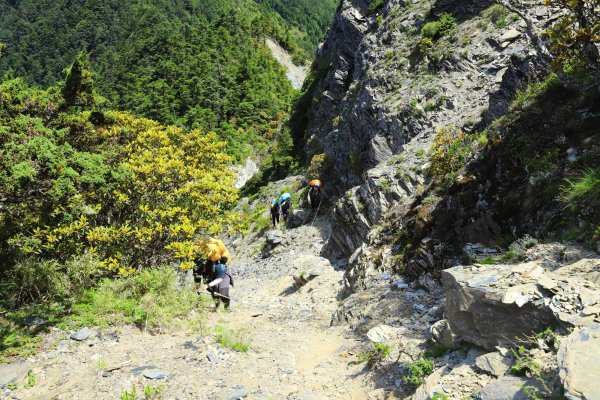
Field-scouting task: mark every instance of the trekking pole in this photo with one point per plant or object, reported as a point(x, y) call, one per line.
point(214, 294)
point(315, 217)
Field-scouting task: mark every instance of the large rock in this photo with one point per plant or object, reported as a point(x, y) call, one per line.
point(275, 237)
point(431, 384)
point(494, 363)
point(507, 388)
point(301, 217)
point(81, 334)
point(442, 334)
point(384, 333)
point(578, 360)
point(14, 373)
point(491, 305)
point(483, 309)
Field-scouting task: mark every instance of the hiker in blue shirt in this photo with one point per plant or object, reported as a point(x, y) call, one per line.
point(285, 202)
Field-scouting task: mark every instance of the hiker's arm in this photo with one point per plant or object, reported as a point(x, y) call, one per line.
point(215, 282)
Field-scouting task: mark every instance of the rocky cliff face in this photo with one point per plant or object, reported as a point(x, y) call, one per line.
point(385, 91)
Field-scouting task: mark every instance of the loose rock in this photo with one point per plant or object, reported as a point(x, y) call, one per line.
point(494, 363)
point(578, 362)
point(81, 334)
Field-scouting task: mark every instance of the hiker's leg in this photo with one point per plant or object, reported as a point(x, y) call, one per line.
point(224, 290)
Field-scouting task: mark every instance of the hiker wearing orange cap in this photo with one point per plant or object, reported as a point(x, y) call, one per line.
point(314, 194)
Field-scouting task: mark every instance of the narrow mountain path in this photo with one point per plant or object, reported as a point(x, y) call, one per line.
point(294, 352)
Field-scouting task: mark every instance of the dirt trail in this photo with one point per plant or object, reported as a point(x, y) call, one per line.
point(294, 353)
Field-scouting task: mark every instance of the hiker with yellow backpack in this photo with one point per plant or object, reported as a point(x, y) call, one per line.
point(212, 266)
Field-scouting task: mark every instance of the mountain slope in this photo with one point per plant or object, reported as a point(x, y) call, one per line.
point(199, 64)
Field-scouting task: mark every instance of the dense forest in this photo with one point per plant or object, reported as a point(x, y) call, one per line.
point(308, 20)
point(191, 63)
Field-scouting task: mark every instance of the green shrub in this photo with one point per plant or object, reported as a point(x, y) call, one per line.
point(437, 29)
point(149, 300)
point(385, 184)
point(319, 166)
point(375, 6)
point(262, 223)
point(430, 30)
point(582, 191)
point(375, 356)
point(524, 98)
point(496, 13)
point(430, 106)
point(237, 340)
point(438, 350)
point(524, 364)
point(450, 151)
point(501, 23)
point(34, 279)
point(419, 370)
point(31, 380)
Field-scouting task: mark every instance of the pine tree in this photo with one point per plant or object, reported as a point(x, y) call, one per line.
point(78, 89)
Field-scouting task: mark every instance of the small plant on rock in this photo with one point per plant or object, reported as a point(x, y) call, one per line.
point(31, 380)
point(450, 151)
point(153, 393)
point(419, 370)
point(385, 184)
point(524, 364)
point(375, 6)
point(376, 355)
point(436, 29)
point(126, 395)
point(236, 340)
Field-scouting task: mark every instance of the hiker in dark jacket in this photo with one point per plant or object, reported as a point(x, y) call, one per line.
point(314, 194)
point(275, 211)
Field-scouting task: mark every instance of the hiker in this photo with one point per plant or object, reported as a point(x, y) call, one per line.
point(215, 270)
point(275, 211)
point(285, 203)
point(314, 194)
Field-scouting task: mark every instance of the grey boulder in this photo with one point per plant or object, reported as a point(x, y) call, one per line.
point(154, 374)
point(81, 334)
point(13, 373)
point(578, 362)
point(507, 388)
point(486, 306)
point(275, 237)
point(494, 363)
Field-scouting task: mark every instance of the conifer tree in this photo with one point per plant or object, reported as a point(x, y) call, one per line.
point(78, 89)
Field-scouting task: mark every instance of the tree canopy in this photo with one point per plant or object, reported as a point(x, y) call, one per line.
point(130, 191)
point(191, 63)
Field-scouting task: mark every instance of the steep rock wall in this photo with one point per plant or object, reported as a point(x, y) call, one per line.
point(384, 97)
